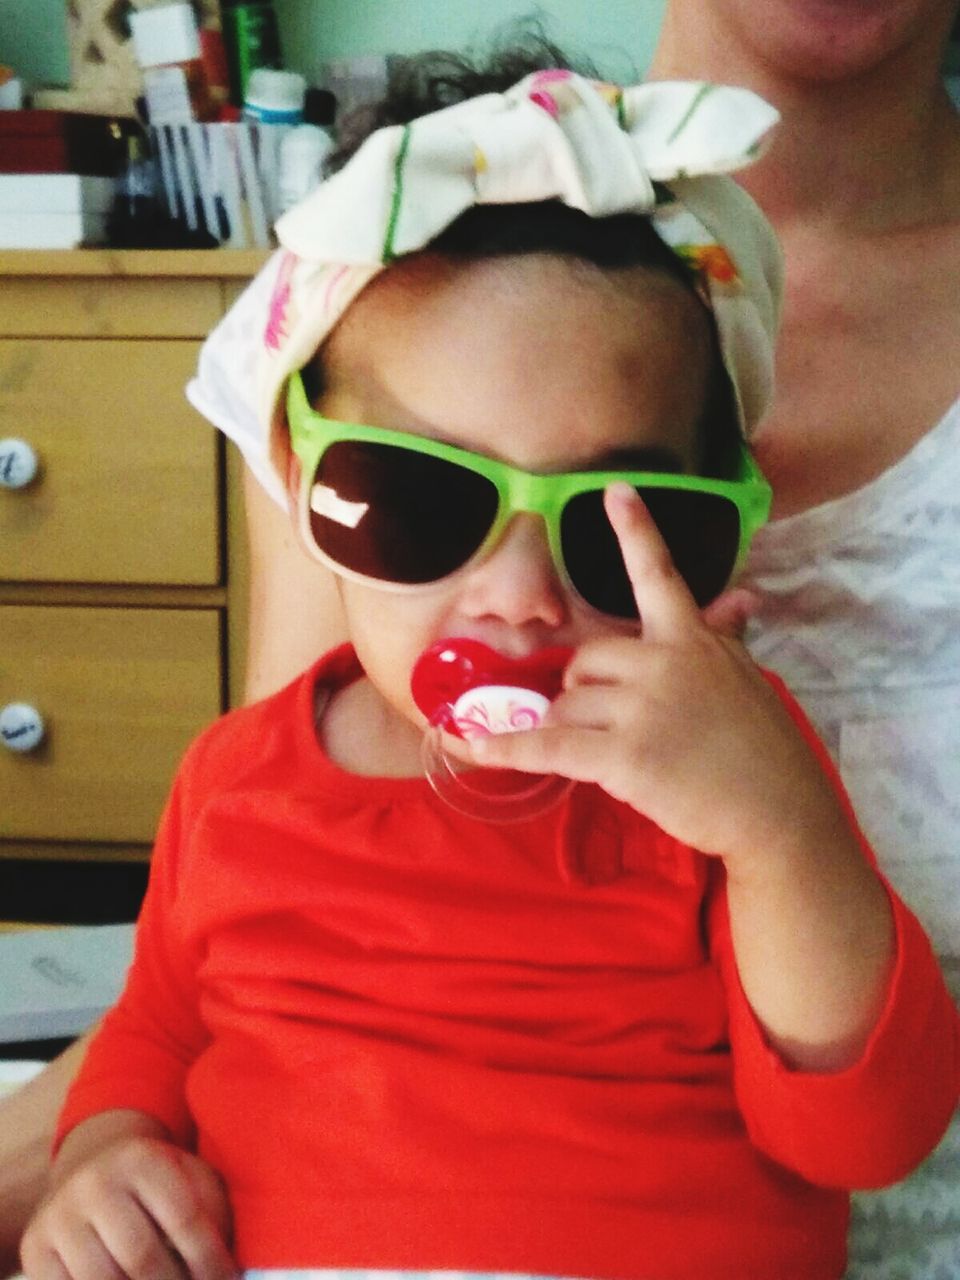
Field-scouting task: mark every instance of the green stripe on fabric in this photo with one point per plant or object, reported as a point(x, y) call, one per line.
point(691, 111)
point(388, 254)
point(621, 111)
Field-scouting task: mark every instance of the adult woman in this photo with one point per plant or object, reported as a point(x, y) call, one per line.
point(859, 607)
point(863, 183)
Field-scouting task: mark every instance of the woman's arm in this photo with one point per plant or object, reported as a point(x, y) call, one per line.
point(27, 1121)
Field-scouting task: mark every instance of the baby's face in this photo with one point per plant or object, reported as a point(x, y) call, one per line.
point(547, 364)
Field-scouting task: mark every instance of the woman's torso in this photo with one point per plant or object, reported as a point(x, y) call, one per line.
point(860, 580)
point(860, 608)
point(860, 574)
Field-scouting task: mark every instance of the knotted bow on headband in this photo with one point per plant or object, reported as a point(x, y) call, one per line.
point(659, 149)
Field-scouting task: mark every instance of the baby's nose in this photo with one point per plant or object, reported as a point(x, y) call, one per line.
point(517, 582)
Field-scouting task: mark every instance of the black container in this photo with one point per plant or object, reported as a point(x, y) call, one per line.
point(250, 39)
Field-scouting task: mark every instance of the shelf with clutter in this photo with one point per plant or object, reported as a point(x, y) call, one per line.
point(181, 130)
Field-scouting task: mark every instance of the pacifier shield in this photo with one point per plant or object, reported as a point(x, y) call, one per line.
point(451, 669)
point(467, 690)
point(497, 708)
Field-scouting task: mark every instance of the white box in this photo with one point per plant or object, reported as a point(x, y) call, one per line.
point(55, 193)
point(51, 230)
point(57, 982)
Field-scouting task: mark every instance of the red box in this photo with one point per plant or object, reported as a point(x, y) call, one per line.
point(62, 142)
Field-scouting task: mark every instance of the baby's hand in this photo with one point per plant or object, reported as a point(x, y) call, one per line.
point(142, 1209)
point(678, 721)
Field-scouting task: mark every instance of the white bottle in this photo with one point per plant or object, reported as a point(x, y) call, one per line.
point(302, 155)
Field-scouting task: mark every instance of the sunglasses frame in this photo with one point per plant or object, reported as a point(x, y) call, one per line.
point(545, 495)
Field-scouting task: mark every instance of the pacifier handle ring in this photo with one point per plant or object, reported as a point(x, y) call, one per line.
point(536, 794)
point(465, 688)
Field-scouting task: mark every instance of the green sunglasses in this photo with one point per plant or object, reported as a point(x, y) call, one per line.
point(403, 512)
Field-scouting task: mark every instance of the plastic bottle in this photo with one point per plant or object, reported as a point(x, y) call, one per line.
point(166, 42)
point(302, 155)
point(251, 40)
point(134, 208)
point(305, 149)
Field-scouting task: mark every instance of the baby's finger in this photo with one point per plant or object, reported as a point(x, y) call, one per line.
point(585, 706)
point(41, 1262)
point(84, 1256)
point(610, 660)
point(133, 1239)
point(574, 753)
point(730, 613)
point(51, 1269)
point(663, 599)
point(174, 1206)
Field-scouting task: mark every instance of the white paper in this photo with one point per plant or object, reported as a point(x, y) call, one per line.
point(51, 230)
point(55, 193)
point(55, 983)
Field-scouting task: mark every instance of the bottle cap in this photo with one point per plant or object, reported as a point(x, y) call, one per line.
point(165, 36)
point(275, 97)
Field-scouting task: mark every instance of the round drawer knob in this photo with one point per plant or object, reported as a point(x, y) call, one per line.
point(21, 727)
point(18, 463)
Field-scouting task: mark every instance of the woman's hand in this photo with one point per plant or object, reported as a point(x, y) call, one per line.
point(140, 1208)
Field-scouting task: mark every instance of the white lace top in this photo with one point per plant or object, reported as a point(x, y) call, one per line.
point(861, 616)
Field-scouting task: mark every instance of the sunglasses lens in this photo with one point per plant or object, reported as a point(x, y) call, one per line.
point(701, 531)
point(397, 515)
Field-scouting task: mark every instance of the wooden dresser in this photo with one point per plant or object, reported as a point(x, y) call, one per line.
point(122, 589)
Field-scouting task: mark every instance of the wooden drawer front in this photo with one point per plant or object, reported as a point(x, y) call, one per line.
point(122, 692)
point(128, 490)
point(101, 308)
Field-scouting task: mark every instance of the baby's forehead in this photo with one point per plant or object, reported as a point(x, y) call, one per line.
point(539, 359)
point(518, 271)
point(547, 292)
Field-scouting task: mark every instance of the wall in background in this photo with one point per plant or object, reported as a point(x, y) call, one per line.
point(618, 34)
point(33, 39)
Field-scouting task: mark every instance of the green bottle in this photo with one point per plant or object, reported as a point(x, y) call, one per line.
point(250, 40)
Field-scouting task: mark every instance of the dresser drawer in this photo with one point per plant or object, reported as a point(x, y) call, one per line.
point(122, 692)
point(97, 308)
point(128, 487)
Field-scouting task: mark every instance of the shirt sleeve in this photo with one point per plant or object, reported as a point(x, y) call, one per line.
point(871, 1124)
point(140, 1056)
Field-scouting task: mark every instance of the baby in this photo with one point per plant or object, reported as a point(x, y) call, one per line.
point(508, 358)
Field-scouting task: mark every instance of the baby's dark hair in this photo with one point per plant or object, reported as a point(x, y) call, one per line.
point(428, 82)
point(438, 78)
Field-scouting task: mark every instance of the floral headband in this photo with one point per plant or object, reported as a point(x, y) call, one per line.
point(661, 149)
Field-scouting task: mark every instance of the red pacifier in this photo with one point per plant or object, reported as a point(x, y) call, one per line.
point(468, 690)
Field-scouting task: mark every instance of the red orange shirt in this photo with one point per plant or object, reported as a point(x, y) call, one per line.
point(408, 1039)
